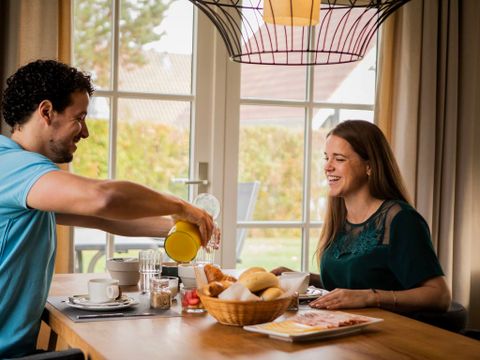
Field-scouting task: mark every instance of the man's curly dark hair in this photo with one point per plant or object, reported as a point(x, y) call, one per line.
point(38, 81)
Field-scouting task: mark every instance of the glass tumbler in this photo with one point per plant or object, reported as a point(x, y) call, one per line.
point(191, 302)
point(208, 202)
point(149, 266)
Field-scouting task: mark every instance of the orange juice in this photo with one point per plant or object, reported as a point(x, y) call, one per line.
point(183, 242)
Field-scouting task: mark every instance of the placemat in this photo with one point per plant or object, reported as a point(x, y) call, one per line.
point(143, 306)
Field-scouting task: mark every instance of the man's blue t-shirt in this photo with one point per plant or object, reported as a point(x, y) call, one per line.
point(27, 249)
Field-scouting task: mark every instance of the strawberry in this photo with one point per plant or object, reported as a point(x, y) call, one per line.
point(193, 301)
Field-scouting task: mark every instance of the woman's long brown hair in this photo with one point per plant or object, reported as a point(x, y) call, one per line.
point(385, 181)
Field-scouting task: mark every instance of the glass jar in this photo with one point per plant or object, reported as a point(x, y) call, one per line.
point(160, 294)
point(191, 302)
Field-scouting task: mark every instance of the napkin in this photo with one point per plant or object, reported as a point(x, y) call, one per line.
point(238, 292)
point(291, 284)
point(200, 276)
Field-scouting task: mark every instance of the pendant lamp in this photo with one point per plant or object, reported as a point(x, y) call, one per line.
point(297, 32)
point(291, 13)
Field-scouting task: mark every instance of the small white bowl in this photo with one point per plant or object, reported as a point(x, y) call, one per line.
point(125, 270)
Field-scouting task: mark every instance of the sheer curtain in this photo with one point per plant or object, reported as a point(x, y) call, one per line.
point(428, 105)
point(30, 30)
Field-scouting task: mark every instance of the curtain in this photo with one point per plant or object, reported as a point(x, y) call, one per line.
point(428, 106)
point(36, 29)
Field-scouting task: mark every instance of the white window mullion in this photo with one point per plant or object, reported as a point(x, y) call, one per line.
point(112, 154)
point(145, 96)
point(302, 103)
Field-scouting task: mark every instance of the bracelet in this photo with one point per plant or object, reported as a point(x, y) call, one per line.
point(377, 296)
point(394, 299)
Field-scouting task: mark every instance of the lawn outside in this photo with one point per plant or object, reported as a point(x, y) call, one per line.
point(266, 252)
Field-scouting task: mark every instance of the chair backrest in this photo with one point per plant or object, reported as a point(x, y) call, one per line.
point(247, 194)
point(70, 354)
point(454, 319)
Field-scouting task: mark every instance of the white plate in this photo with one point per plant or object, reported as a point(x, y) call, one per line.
point(82, 302)
point(300, 332)
point(312, 293)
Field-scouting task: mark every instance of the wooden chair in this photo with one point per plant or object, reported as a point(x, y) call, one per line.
point(454, 319)
point(70, 354)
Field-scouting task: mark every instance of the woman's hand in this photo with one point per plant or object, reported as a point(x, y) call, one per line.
point(345, 299)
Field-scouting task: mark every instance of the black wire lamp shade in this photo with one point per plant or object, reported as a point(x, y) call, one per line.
point(297, 32)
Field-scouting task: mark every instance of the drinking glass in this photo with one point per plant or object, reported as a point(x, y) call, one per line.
point(191, 302)
point(149, 266)
point(211, 205)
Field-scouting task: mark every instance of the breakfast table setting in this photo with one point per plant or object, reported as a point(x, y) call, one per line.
point(150, 308)
point(127, 325)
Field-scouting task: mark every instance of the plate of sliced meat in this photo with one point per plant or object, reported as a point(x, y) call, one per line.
point(315, 324)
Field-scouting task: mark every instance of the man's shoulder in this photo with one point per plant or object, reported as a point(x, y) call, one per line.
point(14, 159)
point(10, 151)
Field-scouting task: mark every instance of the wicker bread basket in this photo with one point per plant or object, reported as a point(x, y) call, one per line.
point(240, 313)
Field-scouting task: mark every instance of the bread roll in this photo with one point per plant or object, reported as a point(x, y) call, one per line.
point(271, 293)
point(259, 280)
point(252, 270)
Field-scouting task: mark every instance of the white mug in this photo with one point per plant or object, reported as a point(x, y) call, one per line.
point(103, 290)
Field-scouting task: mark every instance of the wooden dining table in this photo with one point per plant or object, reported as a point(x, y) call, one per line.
point(202, 337)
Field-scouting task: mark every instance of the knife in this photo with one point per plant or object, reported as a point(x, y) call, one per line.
point(112, 315)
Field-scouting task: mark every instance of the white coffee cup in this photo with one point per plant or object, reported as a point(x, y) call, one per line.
point(304, 276)
point(103, 290)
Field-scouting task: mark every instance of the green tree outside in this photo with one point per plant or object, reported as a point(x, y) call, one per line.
point(93, 34)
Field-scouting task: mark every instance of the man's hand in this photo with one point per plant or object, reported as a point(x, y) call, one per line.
point(199, 217)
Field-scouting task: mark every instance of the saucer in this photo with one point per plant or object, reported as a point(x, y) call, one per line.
point(312, 293)
point(83, 302)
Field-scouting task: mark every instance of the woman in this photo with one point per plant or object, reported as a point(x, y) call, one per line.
point(374, 249)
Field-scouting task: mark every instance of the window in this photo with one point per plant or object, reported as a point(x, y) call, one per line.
point(141, 57)
point(154, 117)
point(285, 114)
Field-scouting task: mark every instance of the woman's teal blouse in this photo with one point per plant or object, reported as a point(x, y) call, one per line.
point(392, 250)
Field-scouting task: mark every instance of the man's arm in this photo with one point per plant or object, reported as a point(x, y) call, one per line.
point(157, 226)
point(66, 193)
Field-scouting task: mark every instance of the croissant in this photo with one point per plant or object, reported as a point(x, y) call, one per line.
point(213, 289)
point(213, 273)
point(228, 278)
point(226, 283)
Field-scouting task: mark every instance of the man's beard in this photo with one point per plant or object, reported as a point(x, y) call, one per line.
point(59, 153)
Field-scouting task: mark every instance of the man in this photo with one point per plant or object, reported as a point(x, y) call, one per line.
point(45, 103)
